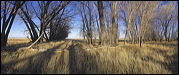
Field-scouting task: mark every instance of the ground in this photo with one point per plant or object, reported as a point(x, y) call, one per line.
point(75, 57)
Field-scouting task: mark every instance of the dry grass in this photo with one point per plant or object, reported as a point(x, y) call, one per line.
point(152, 58)
point(13, 41)
point(18, 42)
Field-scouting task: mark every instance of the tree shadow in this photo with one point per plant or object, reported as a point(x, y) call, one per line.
point(70, 61)
point(34, 64)
point(81, 61)
point(15, 46)
point(61, 63)
point(163, 44)
point(172, 66)
point(60, 45)
point(120, 40)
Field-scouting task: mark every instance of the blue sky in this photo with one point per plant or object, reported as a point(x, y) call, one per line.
point(18, 28)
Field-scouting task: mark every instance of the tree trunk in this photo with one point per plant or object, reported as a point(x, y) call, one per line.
point(32, 28)
point(125, 37)
point(36, 40)
point(141, 42)
point(102, 26)
point(3, 40)
point(41, 31)
point(7, 22)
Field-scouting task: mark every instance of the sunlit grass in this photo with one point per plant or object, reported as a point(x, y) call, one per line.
point(14, 41)
point(126, 59)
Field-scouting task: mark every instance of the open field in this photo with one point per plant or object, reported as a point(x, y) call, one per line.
point(75, 57)
point(18, 42)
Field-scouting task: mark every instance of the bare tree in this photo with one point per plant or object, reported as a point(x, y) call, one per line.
point(87, 19)
point(113, 26)
point(46, 13)
point(9, 11)
point(127, 14)
point(145, 14)
point(102, 26)
point(59, 29)
point(26, 16)
point(165, 18)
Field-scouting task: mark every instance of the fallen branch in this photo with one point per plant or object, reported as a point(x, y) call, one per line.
point(35, 41)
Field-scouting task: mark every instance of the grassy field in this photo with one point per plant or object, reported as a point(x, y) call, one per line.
point(78, 58)
point(17, 42)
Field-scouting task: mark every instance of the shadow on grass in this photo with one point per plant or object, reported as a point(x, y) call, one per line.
point(61, 45)
point(34, 64)
point(16, 46)
point(82, 62)
point(173, 65)
point(164, 44)
point(120, 40)
point(64, 62)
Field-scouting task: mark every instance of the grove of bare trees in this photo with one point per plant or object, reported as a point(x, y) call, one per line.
point(51, 17)
point(143, 20)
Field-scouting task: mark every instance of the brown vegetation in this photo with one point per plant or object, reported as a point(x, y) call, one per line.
point(151, 24)
point(78, 58)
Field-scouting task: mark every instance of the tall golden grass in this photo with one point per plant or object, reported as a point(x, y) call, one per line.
point(152, 58)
